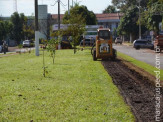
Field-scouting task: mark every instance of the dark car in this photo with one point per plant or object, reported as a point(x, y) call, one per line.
point(65, 43)
point(3, 46)
point(87, 42)
point(142, 43)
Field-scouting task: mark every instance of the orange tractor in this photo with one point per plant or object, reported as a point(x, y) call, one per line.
point(103, 48)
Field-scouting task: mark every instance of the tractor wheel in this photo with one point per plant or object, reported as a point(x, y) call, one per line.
point(114, 55)
point(94, 55)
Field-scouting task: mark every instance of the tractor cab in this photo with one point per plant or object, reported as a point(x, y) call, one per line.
point(103, 45)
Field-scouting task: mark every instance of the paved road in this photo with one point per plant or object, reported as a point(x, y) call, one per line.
point(12, 50)
point(145, 55)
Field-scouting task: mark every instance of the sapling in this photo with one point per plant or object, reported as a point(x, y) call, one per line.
point(51, 47)
point(20, 46)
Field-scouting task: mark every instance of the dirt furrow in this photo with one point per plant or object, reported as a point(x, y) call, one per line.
point(136, 89)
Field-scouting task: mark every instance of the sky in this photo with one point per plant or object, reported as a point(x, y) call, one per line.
point(7, 7)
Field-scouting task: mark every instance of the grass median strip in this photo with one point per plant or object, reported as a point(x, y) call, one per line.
point(75, 89)
point(143, 65)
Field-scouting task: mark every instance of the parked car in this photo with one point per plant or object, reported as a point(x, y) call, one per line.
point(65, 43)
point(142, 43)
point(27, 43)
point(118, 40)
point(158, 42)
point(87, 42)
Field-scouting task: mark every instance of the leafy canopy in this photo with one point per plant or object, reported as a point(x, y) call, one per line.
point(128, 22)
point(110, 9)
point(18, 21)
point(5, 29)
point(88, 16)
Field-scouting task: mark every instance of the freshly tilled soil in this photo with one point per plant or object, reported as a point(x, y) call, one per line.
point(137, 90)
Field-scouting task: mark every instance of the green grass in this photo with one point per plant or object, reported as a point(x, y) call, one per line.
point(75, 89)
point(143, 65)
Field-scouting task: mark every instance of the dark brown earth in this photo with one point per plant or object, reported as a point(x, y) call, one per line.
point(137, 89)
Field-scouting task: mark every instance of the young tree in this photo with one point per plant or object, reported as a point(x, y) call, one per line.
point(51, 47)
point(76, 28)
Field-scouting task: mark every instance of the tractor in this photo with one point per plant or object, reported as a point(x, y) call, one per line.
point(103, 48)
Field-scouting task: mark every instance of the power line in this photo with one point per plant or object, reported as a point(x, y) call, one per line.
point(15, 6)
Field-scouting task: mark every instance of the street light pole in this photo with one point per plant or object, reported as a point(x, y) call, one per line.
point(58, 14)
point(36, 29)
point(139, 22)
point(59, 45)
point(68, 7)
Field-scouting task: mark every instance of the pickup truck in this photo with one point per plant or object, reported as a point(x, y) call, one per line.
point(158, 42)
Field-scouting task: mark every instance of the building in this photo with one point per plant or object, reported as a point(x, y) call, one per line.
point(43, 21)
point(110, 20)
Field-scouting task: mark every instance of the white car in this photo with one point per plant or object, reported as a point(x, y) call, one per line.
point(27, 43)
point(118, 40)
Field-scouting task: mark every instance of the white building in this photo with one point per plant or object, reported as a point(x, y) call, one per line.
point(42, 19)
point(110, 20)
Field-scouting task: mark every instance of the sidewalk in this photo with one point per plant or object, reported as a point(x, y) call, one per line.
point(127, 43)
point(14, 51)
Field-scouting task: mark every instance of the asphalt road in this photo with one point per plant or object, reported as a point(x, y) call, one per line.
point(145, 55)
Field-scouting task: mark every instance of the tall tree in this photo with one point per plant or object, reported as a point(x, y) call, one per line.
point(128, 24)
point(5, 29)
point(89, 16)
point(125, 4)
point(110, 9)
point(18, 21)
point(153, 15)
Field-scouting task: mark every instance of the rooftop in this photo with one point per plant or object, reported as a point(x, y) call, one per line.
point(110, 16)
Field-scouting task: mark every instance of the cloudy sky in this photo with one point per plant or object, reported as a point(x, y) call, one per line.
point(7, 7)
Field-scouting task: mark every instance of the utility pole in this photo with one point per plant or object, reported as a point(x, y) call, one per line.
point(15, 6)
point(59, 45)
point(36, 29)
point(68, 7)
point(72, 3)
point(58, 14)
point(139, 21)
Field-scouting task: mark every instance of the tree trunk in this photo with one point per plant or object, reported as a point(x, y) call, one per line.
point(130, 37)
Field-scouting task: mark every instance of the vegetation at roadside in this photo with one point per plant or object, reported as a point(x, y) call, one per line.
point(75, 89)
point(143, 65)
point(151, 16)
point(17, 28)
point(75, 29)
